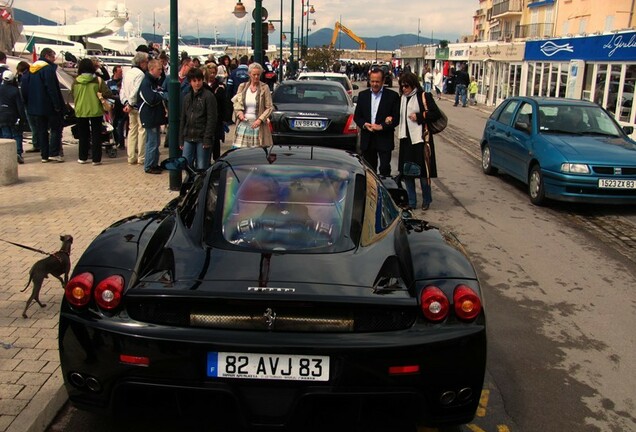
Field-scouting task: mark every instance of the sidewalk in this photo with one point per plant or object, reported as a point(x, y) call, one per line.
point(52, 199)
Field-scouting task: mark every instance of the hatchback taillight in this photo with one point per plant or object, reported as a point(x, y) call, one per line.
point(467, 303)
point(350, 127)
point(108, 292)
point(435, 305)
point(78, 289)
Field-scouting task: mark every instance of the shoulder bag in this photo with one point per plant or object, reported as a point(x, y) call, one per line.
point(107, 105)
point(438, 125)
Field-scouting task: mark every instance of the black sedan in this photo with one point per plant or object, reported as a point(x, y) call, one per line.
point(280, 280)
point(313, 112)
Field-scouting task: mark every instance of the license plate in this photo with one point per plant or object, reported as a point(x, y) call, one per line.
point(310, 124)
point(616, 184)
point(268, 366)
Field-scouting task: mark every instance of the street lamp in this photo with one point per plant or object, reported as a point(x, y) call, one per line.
point(239, 10)
point(257, 14)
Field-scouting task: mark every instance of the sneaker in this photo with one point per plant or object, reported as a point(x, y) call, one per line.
point(20, 159)
point(56, 158)
point(96, 163)
point(79, 161)
point(45, 160)
point(153, 170)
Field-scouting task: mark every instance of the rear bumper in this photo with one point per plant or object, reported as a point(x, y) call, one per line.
point(345, 142)
point(449, 361)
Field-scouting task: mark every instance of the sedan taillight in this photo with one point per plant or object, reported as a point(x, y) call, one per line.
point(108, 292)
point(350, 127)
point(78, 289)
point(435, 305)
point(467, 303)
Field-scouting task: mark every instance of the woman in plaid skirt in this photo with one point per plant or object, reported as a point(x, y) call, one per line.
point(252, 108)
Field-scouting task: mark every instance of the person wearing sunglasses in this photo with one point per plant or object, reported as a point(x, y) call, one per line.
point(417, 151)
point(377, 115)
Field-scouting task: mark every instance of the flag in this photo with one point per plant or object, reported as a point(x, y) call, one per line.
point(5, 15)
point(30, 46)
point(34, 54)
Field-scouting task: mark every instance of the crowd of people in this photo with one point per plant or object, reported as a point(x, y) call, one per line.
point(212, 95)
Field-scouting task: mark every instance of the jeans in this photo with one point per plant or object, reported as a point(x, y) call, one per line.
point(50, 142)
point(460, 90)
point(12, 132)
point(427, 197)
point(153, 136)
point(194, 151)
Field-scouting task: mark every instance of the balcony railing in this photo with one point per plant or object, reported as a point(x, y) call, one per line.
point(534, 30)
point(479, 12)
point(506, 7)
point(495, 35)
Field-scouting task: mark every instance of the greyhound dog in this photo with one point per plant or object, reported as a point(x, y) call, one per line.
point(55, 264)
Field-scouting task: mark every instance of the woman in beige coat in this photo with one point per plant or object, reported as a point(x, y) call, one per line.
point(252, 108)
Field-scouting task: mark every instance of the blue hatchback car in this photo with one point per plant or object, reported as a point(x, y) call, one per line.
point(563, 149)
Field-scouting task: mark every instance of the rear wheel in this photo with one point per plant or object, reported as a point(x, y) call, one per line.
point(535, 186)
point(486, 162)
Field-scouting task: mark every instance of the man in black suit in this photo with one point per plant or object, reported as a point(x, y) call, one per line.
point(377, 114)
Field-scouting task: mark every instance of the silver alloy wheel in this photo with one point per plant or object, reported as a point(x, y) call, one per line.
point(486, 163)
point(535, 186)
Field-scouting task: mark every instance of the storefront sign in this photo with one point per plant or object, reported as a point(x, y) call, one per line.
point(610, 47)
point(441, 53)
point(502, 51)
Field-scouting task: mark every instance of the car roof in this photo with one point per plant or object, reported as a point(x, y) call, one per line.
point(323, 83)
point(331, 74)
point(295, 155)
point(540, 100)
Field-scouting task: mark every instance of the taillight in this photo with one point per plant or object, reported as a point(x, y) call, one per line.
point(108, 292)
point(350, 127)
point(270, 124)
point(467, 303)
point(78, 289)
point(435, 305)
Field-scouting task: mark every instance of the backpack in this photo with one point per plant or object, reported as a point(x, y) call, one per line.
point(241, 77)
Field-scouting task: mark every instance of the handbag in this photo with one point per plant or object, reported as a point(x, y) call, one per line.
point(106, 104)
point(438, 125)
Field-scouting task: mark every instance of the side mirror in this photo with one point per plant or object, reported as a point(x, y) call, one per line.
point(394, 186)
point(523, 127)
point(355, 86)
point(628, 129)
point(354, 99)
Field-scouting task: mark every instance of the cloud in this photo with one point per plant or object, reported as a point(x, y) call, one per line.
point(379, 18)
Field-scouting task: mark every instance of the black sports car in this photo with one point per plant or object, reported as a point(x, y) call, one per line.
point(313, 112)
point(280, 279)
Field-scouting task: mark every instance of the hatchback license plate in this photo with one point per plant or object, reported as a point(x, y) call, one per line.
point(268, 366)
point(310, 124)
point(616, 184)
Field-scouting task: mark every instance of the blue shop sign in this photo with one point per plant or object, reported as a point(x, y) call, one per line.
point(610, 47)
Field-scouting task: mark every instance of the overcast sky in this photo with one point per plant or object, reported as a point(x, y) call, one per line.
point(443, 19)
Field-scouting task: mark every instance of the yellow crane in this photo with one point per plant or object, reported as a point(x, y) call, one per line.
point(340, 28)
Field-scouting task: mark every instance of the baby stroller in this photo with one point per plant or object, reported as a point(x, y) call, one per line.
point(109, 144)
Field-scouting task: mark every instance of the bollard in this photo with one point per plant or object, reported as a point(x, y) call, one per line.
point(8, 162)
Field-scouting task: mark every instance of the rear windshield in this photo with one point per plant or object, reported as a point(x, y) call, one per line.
point(297, 208)
point(310, 93)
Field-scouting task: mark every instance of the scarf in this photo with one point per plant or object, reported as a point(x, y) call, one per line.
point(408, 105)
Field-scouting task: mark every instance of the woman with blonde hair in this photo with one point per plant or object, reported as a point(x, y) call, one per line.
point(252, 108)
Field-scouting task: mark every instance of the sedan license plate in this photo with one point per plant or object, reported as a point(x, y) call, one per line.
point(616, 184)
point(268, 366)
point(309, 124)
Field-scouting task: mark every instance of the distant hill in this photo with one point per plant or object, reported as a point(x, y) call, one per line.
point(383, 43)
point(317, 38)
